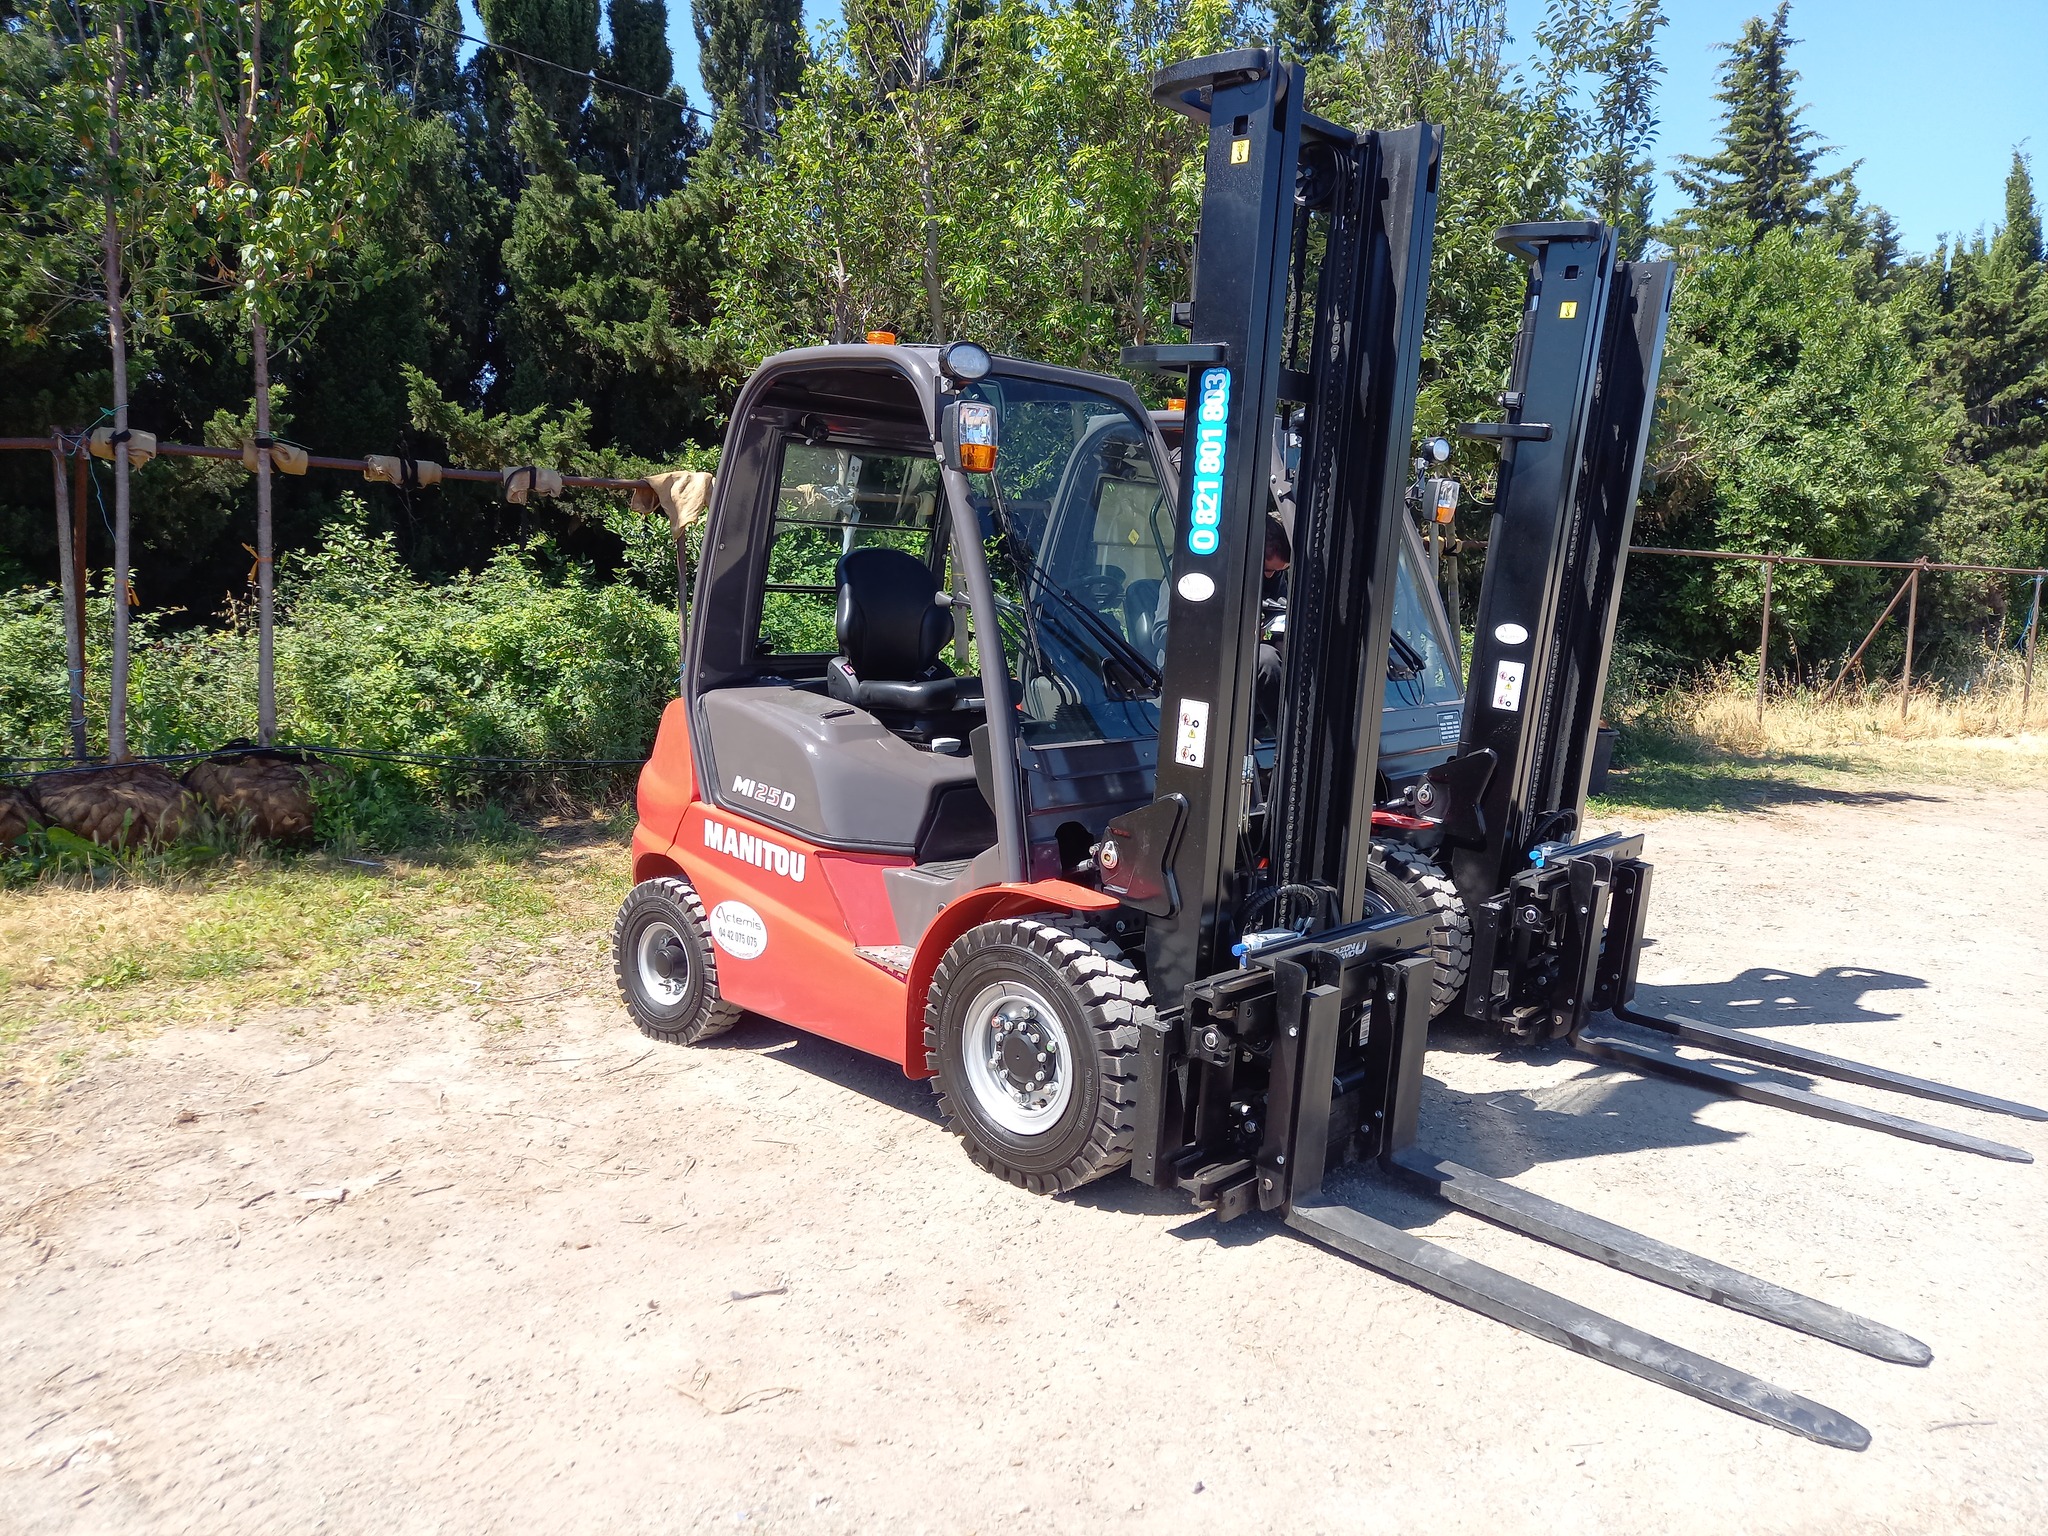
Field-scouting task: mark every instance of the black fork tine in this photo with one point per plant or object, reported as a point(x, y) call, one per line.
point(1545, 1314)
point(1736, 1042)
point(1648, 1057)
point(1533, 1215)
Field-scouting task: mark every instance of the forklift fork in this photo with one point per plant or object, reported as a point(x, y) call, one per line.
point(1590, 902)
point(1311, 993)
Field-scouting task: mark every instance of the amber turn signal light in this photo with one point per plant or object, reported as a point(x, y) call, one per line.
point(881, 338)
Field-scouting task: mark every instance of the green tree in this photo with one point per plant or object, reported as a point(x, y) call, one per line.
point(1617, 174)
point(92, 217)
point(604, 299)
point(1303, 29)
point(1789, 422)
point(1763, 177)
point(1978, 314)
point(751, 55)
point(560, 33)
point(289, 131)
point(641, 147)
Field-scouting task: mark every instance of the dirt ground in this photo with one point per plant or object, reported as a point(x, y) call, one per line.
point(330, 1271)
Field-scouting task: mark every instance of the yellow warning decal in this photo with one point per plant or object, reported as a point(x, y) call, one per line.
point(1568, 310)
point(1240, 151)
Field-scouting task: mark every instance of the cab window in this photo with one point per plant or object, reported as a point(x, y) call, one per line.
point(831, 499)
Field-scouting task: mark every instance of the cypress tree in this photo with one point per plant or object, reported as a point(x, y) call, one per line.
point(751, 54)
point(562, 32)
point(641, 146)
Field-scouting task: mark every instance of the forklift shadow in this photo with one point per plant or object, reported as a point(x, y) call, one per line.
point(1768, 996)
point(830, 1062)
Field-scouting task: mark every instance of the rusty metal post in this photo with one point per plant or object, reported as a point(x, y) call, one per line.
point(1912, 621)
point(79, 567)
point(74, 628)
point(1763, 644)
point(2033, 634)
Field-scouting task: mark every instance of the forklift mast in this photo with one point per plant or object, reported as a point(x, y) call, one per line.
point(1259, 1065)
point(1321, 306)
point(1578, 406)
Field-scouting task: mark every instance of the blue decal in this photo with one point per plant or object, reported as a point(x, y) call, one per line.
point(1212, 421)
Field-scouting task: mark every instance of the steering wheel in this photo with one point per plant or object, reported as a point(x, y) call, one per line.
point(1101, 589)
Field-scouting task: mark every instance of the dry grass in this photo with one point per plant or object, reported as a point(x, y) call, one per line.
point(470, 925)
point(1703, 747)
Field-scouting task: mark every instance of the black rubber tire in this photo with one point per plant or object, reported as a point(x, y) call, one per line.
point(1410, 882)
point(700, 1012)
point(1102, 1002)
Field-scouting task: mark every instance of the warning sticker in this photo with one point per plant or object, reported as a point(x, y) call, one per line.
point(1191, 739)
point(1507, 686)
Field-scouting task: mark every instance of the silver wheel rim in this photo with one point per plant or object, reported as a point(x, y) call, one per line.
point(664, 986)
point(1018, 1058)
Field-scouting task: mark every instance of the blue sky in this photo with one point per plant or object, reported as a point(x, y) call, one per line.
point(1932, 99)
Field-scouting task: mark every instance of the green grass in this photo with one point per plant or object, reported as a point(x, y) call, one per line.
point(467, 924)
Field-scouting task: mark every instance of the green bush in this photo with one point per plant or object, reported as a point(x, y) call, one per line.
point(509, 661)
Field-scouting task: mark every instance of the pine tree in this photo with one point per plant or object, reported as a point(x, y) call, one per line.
point(751, 54)
point(2019, 242)
point(1764, 175)
point(1618, 176)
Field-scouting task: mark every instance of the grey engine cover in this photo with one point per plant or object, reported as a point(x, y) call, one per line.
point(824, 769)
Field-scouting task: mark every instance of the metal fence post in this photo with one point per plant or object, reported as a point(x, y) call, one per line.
point(2033, 633)
point(1912, 620)
point(1763, 644)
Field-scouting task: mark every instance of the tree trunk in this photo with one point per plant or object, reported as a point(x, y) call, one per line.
point(74, 635)
point(266, 679)
point(117, 336)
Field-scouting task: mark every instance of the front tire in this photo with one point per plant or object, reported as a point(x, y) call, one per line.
point(1031, 1037)
point(1403, 880)
point(665, 966)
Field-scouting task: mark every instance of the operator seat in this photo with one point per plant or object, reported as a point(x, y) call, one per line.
point(891, 630)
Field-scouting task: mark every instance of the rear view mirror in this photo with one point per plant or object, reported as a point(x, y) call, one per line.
point(969, 435)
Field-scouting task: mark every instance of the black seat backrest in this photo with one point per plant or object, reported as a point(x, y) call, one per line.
point(891, 627)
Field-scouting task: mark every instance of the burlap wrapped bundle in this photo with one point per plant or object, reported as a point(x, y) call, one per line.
point(126, 805)
point(271, 796)
point(18, 812)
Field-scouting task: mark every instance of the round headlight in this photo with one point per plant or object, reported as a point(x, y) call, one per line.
point(966, 361)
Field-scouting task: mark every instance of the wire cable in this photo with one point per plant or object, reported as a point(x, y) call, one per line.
point(581, 74)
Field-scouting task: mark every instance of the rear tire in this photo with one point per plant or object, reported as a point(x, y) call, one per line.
point(666, 968)
point(1410, 882)
point(1031, 1037)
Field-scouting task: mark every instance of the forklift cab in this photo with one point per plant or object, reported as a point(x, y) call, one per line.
point(836, 679)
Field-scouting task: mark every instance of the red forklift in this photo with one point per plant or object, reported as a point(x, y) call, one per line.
point(971, 768)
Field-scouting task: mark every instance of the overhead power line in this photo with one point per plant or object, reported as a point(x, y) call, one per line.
point(581, 74)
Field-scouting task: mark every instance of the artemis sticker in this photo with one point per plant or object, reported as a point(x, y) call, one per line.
point(1196, 587)
point(737, 929)
point(1191, 739)
point(1507, 686)
point(1510, 634)
point(757, 851)
point(1212, 422)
